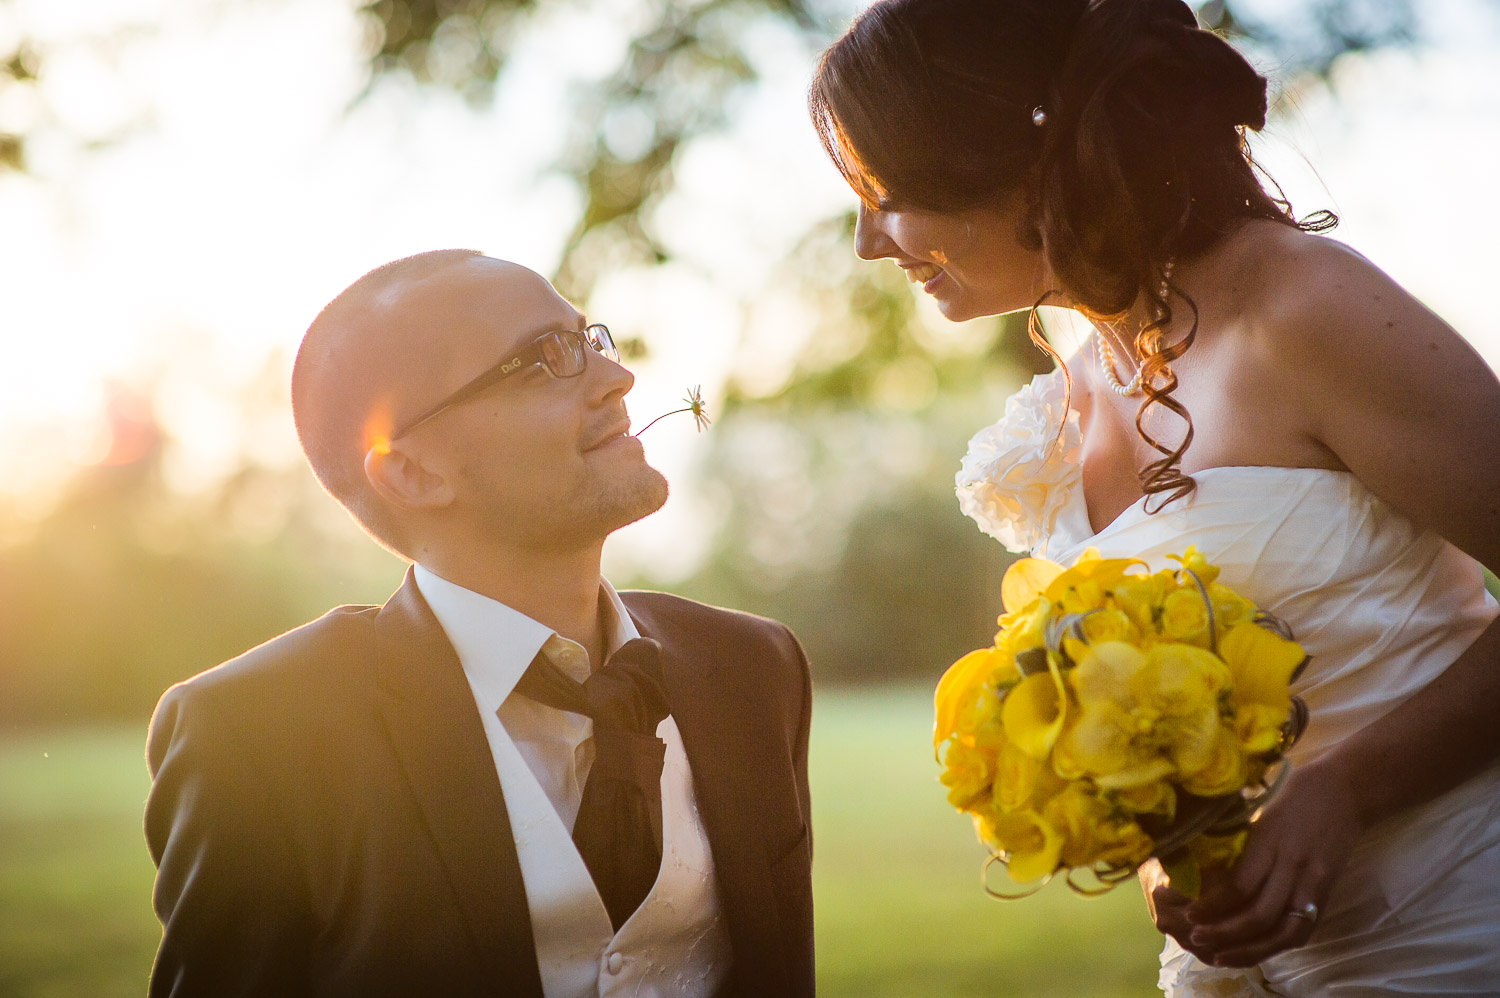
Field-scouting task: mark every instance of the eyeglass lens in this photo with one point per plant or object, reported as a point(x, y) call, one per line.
point(563, 355)
point(602, 342)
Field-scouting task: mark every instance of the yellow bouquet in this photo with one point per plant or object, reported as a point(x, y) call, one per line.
point(1119, 715)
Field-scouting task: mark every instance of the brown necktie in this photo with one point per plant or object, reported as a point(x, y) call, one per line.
point(618, 831)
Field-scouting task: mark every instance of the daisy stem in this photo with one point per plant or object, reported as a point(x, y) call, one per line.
point(663, 416)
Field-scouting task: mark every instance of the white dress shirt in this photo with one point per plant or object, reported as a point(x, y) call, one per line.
point(675, 944)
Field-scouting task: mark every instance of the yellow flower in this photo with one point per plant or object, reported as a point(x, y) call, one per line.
point(966, 703)
point(1034, 711)
point(1217, 850)
point(1015, 777)
point(1184, 617)
point(1140, 597)
point(1262, 664)
point(1023, 630)
point(1224, 769)
point(1193, 561)
point(967, 773)
point(1143, 716)
point(1230, 607)
point(1098, 626)
point(1083, 587)
point(1025, 580)
point(1093, 831)
point(1107, 625)
point(1077, 815)
point(1149, 798)
point(1177, 691)
point(1124, 843)
point(1030, 844)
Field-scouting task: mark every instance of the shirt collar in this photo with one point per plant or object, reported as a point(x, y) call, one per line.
point(496, 643)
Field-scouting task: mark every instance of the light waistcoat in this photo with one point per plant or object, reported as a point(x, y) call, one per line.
point(676, 943)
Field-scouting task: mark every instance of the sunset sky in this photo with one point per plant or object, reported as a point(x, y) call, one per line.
point(240, 191)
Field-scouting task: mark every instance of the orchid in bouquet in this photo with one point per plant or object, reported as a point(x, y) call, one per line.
point(1119, 715)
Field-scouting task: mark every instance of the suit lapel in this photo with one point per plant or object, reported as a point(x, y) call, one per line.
point(435, 729)
point(730, 795)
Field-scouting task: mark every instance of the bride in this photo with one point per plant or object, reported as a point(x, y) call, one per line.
point(1249, 387)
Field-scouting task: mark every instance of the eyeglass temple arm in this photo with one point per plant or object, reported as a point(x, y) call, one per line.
point(528, 356)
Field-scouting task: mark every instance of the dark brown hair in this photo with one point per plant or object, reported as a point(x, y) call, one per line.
point(1141, 157)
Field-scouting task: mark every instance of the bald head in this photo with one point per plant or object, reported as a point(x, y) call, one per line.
point(388, 346)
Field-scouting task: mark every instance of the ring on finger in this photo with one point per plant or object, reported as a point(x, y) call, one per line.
point(1308, 911)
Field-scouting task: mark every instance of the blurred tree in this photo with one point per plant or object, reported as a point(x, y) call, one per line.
point(29, 64)
point(832, 477)
point(18, 68)
point(686, 59)
point(127, 587)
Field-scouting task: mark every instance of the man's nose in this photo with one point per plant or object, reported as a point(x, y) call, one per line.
point(870, 240)
point(611, 379)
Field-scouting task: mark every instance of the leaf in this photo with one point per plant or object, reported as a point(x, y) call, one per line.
point(1183, 875)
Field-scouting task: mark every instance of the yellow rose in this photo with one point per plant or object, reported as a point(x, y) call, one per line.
point(1077, 815)
point(967, 773)
point(1178, 692)
point(1122, 843)
point(1184, 617)
point(1140, 597)
point(1098, 626)
point(1030, 845)
point(1149, 798)
point(1083, 587)
point(1217, 850)
point(1015, 777)
point(1230, 607)
point(1026, 630)
point(1107, 625)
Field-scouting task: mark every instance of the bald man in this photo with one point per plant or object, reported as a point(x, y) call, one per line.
point(509, 779)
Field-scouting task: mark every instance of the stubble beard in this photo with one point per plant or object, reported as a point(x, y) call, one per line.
point(595, 510)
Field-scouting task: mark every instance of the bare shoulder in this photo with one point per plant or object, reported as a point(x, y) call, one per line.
point(1326, 311)
point(1377, 379)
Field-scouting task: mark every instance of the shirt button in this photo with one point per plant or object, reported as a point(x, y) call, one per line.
point(614, 963)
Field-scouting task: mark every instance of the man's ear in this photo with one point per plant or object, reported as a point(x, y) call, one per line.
point(402, 481)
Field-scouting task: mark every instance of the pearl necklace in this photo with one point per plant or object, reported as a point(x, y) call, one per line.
point(1107, 354)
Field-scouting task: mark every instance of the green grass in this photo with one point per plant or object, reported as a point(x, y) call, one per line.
point(898, 901)
point(75, 878)
point(899, 907)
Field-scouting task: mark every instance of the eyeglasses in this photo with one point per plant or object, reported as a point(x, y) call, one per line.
point(561, 354)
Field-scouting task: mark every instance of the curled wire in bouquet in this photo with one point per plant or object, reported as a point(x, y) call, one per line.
point(694, 405)
point(1119, 715)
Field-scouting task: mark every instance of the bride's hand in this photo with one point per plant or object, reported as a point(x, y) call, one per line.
point(1297, 846)
point(1168, 907)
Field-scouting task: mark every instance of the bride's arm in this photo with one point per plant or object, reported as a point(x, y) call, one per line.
point(1414, 413)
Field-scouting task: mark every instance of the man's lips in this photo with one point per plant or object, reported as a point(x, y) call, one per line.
point(617, 431)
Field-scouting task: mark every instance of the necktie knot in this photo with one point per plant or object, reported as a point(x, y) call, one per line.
point(618, 831)
point(628, 692)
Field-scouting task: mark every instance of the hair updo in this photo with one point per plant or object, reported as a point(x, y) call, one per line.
point(928, 104)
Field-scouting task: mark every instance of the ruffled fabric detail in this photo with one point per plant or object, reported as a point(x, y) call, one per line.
point(1185, 976)
point(1020, 472)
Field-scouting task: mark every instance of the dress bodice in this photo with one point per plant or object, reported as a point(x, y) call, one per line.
point(1382, 606)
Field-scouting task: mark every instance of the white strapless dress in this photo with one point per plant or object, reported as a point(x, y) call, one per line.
point(1381, 606)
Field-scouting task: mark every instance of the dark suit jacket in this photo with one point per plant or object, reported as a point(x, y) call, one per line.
point(326, 818)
